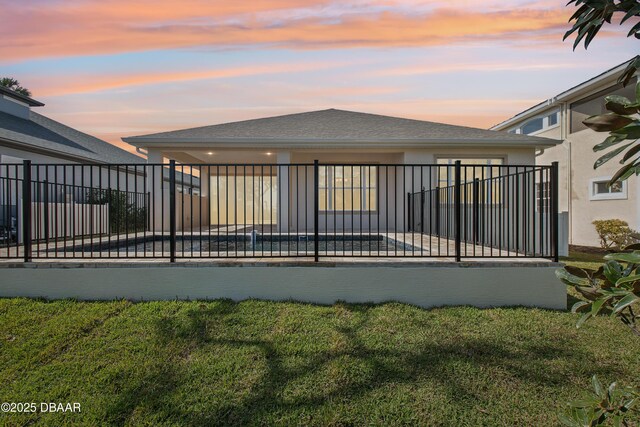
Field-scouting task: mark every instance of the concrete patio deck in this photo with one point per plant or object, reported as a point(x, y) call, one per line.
point(410, 247)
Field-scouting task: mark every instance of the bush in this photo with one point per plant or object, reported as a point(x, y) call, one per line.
point(615, 233)
point(125, 216)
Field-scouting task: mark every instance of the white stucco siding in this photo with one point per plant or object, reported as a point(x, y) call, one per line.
point(576, 158)
point(393, 183)
point(424, 285)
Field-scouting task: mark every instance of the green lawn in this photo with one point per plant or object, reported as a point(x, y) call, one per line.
point(584, 259)
point(219, 362)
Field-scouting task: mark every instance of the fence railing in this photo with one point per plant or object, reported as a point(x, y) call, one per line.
point(277, 211)
point(503, 209)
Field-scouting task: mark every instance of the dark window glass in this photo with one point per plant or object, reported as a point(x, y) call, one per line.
point(602, 187)
point(532, 126)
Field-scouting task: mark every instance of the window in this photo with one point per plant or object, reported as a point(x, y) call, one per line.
point(594, 105)
point(532, 126)
point(485, 170)
point(600, 189)
point(348, 188)
point(243, 199)
point(537, 124)
point(543, 196)
point(446, 176)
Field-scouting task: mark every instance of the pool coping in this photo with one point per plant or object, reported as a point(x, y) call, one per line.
point(284, 262)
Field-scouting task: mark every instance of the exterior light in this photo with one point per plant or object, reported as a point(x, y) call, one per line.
point(268, 154)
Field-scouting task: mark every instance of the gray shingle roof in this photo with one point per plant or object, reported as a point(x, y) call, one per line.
point(338, 125)
point(20, 97)
point(43, 133)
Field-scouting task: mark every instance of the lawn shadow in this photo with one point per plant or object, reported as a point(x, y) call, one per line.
point(527, 361)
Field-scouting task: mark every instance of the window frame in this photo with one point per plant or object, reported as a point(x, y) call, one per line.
point(364, 187)
point(452, 161)
point(451, 178)
point(622, 195)
point(545, 123)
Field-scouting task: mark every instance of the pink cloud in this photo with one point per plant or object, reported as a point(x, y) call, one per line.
point(96, 83)
point(107, 27)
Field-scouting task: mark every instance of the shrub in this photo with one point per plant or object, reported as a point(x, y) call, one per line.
point(615, 233)
point(125, 216)
point(612, 289)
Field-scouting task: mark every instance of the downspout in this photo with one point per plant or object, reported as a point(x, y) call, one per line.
point(564, 133)
point(566, 144)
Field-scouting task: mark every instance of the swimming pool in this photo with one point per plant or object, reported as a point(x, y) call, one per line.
point(260, 245)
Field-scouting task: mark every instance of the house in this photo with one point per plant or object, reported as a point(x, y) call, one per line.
point(62, 154)
point(318, 206)
point(27, 135)
point(583, 190)
point(376, 174)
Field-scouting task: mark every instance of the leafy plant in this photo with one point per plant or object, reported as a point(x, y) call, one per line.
point(621, 122)
point(592, 14)
point(14, 85)
point(603, 404)
point(623, 125)
point(124, 216)
point(614, 288)
point(614, 233)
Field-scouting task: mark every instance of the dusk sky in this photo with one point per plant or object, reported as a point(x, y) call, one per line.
point(115, 68)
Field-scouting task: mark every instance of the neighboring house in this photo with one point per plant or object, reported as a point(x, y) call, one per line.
point(583, 190)
point(27, 135)
point(376, 172)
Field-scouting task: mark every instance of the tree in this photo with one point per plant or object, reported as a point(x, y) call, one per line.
point(14, 85)
point(615, 287)
point(622, 122)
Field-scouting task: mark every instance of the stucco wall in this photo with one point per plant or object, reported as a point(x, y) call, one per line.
point(394, 183)
point(432, 285)
point(576, 158)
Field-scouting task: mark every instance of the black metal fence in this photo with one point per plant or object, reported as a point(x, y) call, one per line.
point(277, 211)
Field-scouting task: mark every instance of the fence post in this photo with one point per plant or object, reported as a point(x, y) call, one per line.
point(26, 209)
point(172, 210)
point(457, 194)
point(316, 210)
point(437, 203)
point(476, 210)
point(409, 209)
point(45, 196)
point(554, 211)
point(422, 211)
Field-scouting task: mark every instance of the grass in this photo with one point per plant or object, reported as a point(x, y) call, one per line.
point(255, 362)
point(584, 259)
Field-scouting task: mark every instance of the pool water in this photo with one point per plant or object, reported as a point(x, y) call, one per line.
point(196, 245)
point(267, 245)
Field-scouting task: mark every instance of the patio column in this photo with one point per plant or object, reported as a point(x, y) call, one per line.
point(283, 158)
point(159, 191)
point(205, 181)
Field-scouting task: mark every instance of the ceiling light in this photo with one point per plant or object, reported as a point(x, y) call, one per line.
point(268, 154)
point(210, 153)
